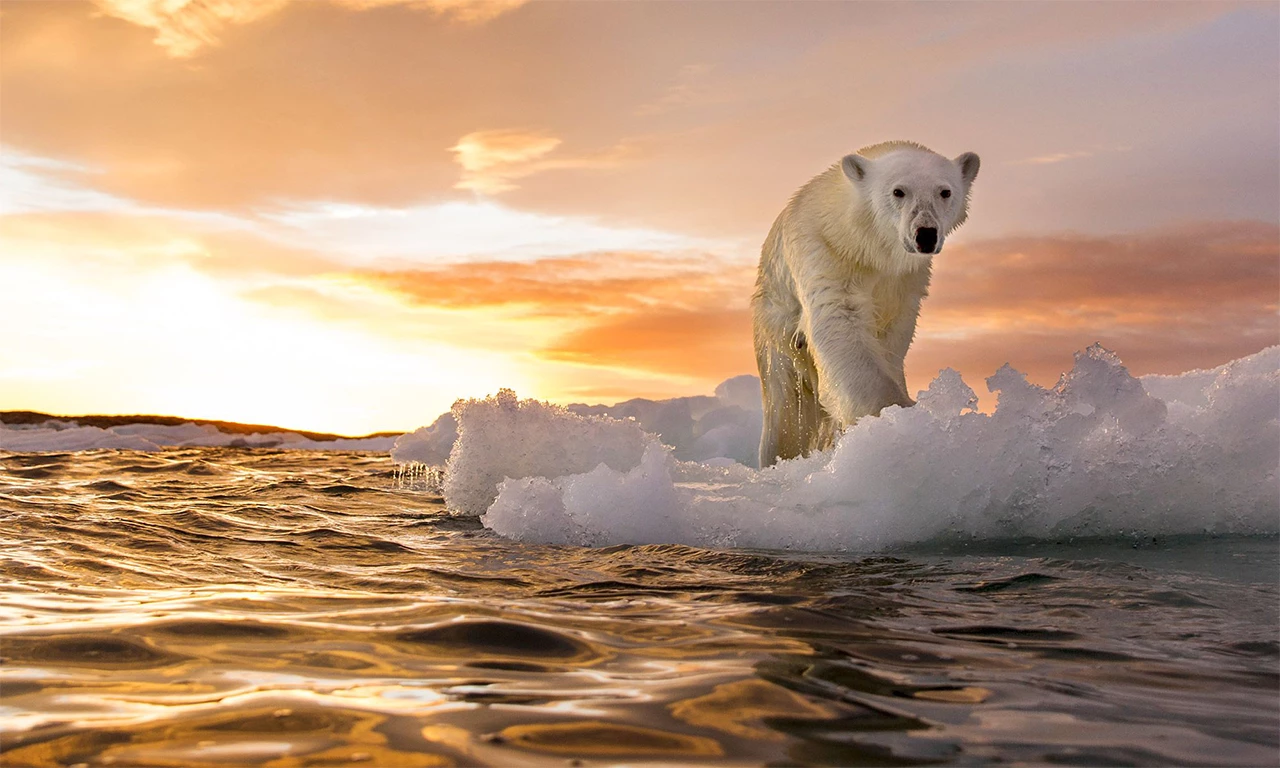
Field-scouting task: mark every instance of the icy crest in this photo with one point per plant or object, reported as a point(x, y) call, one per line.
point(723, 429)
point(428, 445)
point(1100, 454)
point(502, 436)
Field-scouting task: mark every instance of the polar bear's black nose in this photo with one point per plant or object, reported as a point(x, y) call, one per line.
point(926, 239)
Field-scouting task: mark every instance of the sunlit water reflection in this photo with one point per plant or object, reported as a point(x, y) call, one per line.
point(223, 607)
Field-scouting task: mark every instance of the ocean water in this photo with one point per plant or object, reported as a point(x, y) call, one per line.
point(215, 606)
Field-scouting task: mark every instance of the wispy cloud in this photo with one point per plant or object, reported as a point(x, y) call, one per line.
point(185, 27)
point(1058, 157)
point(472, 231)
point(466, 11)
point(348, 232)
point(31, 183)
point(492, 161)
point(690, 87)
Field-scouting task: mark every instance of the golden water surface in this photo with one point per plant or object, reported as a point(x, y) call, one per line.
point(207, 607)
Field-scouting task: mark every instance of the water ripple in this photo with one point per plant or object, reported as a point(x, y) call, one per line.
point(199, 607)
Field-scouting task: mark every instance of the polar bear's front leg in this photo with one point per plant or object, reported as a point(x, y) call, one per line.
point(854, 378)
point(897, 340)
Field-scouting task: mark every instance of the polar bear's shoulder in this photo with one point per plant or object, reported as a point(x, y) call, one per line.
point(885, 147)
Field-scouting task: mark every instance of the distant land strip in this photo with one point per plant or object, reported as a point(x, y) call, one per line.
point(229, 427)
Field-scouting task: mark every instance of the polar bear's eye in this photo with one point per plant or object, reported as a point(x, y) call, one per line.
point(945, 193)
point(899, 193)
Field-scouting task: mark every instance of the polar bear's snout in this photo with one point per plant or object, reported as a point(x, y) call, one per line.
point(922, 227)
point(926, 239)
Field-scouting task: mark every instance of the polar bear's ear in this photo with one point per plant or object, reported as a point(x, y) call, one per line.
point(968, 163)
point(856, 167)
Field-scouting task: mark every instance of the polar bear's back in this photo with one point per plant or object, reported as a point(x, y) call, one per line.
point(885, 147)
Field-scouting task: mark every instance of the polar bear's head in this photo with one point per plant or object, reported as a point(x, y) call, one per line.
point(917, 196)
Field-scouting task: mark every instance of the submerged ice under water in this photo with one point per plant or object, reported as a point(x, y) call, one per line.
point(1102, 454)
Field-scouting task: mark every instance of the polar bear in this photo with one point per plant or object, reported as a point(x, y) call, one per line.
point(842, 274)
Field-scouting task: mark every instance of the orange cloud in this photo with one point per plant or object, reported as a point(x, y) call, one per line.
point(1166, 301)
point(185, 27)
point(706, 344)
point(492, 160)
point(1114, 280)
point(467, 11)
point(581, 287)
point(629, 324)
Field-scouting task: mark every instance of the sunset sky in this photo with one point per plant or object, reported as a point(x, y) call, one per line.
point(342, 215)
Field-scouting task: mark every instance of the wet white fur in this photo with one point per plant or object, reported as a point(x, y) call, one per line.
point(840, 286)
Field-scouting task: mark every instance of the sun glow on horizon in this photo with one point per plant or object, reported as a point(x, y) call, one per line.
point(174, 341)
point(127, 308)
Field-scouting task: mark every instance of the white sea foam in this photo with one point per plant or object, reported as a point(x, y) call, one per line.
point(702, 428)
point(58, 435)
point(502, 437)
point(1100, 454)
point(428, 445)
